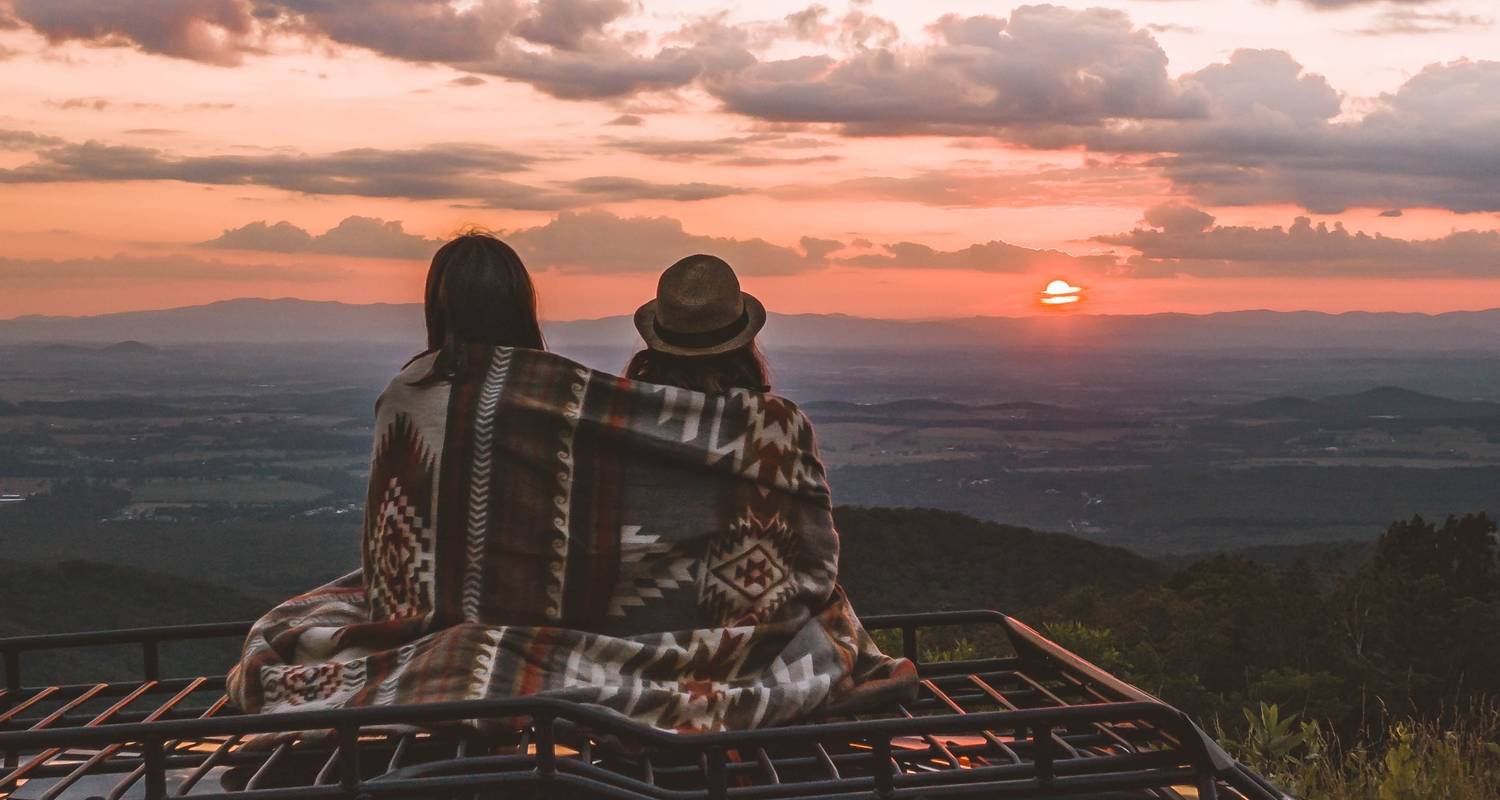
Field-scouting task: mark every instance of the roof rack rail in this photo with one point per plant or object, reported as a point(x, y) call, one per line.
point(1040, 723)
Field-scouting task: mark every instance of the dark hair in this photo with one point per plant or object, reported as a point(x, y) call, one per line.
point(741, 368)
point(478, 293)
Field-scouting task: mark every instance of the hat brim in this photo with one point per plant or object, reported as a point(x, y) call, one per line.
point(755, 312)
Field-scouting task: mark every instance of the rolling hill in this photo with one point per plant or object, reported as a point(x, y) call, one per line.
point(84, 595)
point(1383, 402)
point(906, 559)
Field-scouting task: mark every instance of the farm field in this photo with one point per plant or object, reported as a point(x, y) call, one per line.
point(254, 434)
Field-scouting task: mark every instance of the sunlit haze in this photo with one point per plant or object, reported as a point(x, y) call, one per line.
point(877, 158)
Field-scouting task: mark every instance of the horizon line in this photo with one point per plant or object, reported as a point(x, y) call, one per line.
point(1039, 315)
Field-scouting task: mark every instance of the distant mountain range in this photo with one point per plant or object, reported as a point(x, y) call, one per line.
point(303, 321)
point(938, 411)
point(1383, 402)
point(125, 349)
point(1391, 402)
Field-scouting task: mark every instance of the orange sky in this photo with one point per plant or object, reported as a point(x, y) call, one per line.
point(1131, 152)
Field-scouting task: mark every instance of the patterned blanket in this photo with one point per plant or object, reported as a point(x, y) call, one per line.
point(545, 529)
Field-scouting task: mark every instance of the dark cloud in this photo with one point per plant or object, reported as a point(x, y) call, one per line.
point(1273, 136)
point(211, 31)
point(413, 30)
point(1175, 218)
point(767, 161)
point(1392, 212)
point(579, 59)
point(1258, 98)
point(1304, 250)
point(609, 69)
point(133, 269)
point(725, 146)
point(627, 120)
point(444, 171)
point(975, 186)
point(468, 173)
point(26, 141)
point(1043, 65)
point(993, 256)
point(1257, 129)
point(559, 46)
point(601, 242)
point(468, 81)
point(597, 241)
point(686, 149)
point(591, 76)
point(1406, 21)
point(617, 189)
point(355, 236)
point(569, 24)
point(733, 150)
point(282, 237)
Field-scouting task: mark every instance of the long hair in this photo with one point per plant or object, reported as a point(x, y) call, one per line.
point(742, 368)
point(478, 293)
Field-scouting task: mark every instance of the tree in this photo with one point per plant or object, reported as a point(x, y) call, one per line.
point(1422, 617)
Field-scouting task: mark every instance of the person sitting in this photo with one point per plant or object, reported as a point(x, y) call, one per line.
point(537, 528)
point(700, 331)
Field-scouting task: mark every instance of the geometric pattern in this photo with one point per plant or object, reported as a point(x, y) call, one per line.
point(563, 500)
point(748, 575)
point(481, 469)
point(721, 602)
point(400, 537)
point(648, 571)
point(766, 440)
point(322, 685)
point(400, 551)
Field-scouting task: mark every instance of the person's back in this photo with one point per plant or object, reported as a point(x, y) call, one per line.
point(538, 528)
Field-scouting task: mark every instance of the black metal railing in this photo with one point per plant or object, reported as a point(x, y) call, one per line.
point(1041, 723)
point(149, 639)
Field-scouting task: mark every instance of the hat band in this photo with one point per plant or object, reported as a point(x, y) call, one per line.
point(711, 338)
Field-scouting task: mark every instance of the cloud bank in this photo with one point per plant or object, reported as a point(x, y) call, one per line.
point(365, 237)
point(1181, 240)
point(1255, 129)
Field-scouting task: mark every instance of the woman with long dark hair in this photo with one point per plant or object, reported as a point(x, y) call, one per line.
point(478, 293)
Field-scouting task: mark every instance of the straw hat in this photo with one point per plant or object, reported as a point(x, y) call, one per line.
point(699, 310)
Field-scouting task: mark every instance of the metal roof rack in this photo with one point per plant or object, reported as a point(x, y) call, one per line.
point(1040, 723)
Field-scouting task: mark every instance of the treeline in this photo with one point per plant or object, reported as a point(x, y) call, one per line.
point(1378, 682)
point(1414, 633)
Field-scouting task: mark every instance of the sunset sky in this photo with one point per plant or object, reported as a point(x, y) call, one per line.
point(879, 157)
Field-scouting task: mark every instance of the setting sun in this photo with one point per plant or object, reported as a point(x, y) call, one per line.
point(1060, 292)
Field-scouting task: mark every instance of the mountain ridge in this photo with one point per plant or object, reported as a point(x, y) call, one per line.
point(1394, 402)
point(291, 320)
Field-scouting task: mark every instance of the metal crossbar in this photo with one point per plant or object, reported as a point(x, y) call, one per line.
point(1039, 723)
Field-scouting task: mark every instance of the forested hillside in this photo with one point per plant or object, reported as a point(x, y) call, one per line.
point(86, 596)
point(896, 560)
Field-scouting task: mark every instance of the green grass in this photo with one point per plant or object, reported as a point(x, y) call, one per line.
point(1407, 761)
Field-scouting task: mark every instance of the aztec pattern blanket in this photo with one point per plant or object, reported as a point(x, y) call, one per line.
point(545, 529)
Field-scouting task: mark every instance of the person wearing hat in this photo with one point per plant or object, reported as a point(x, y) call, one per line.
point(700, 331)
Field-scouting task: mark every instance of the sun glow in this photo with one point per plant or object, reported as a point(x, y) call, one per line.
point(1060, 293)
